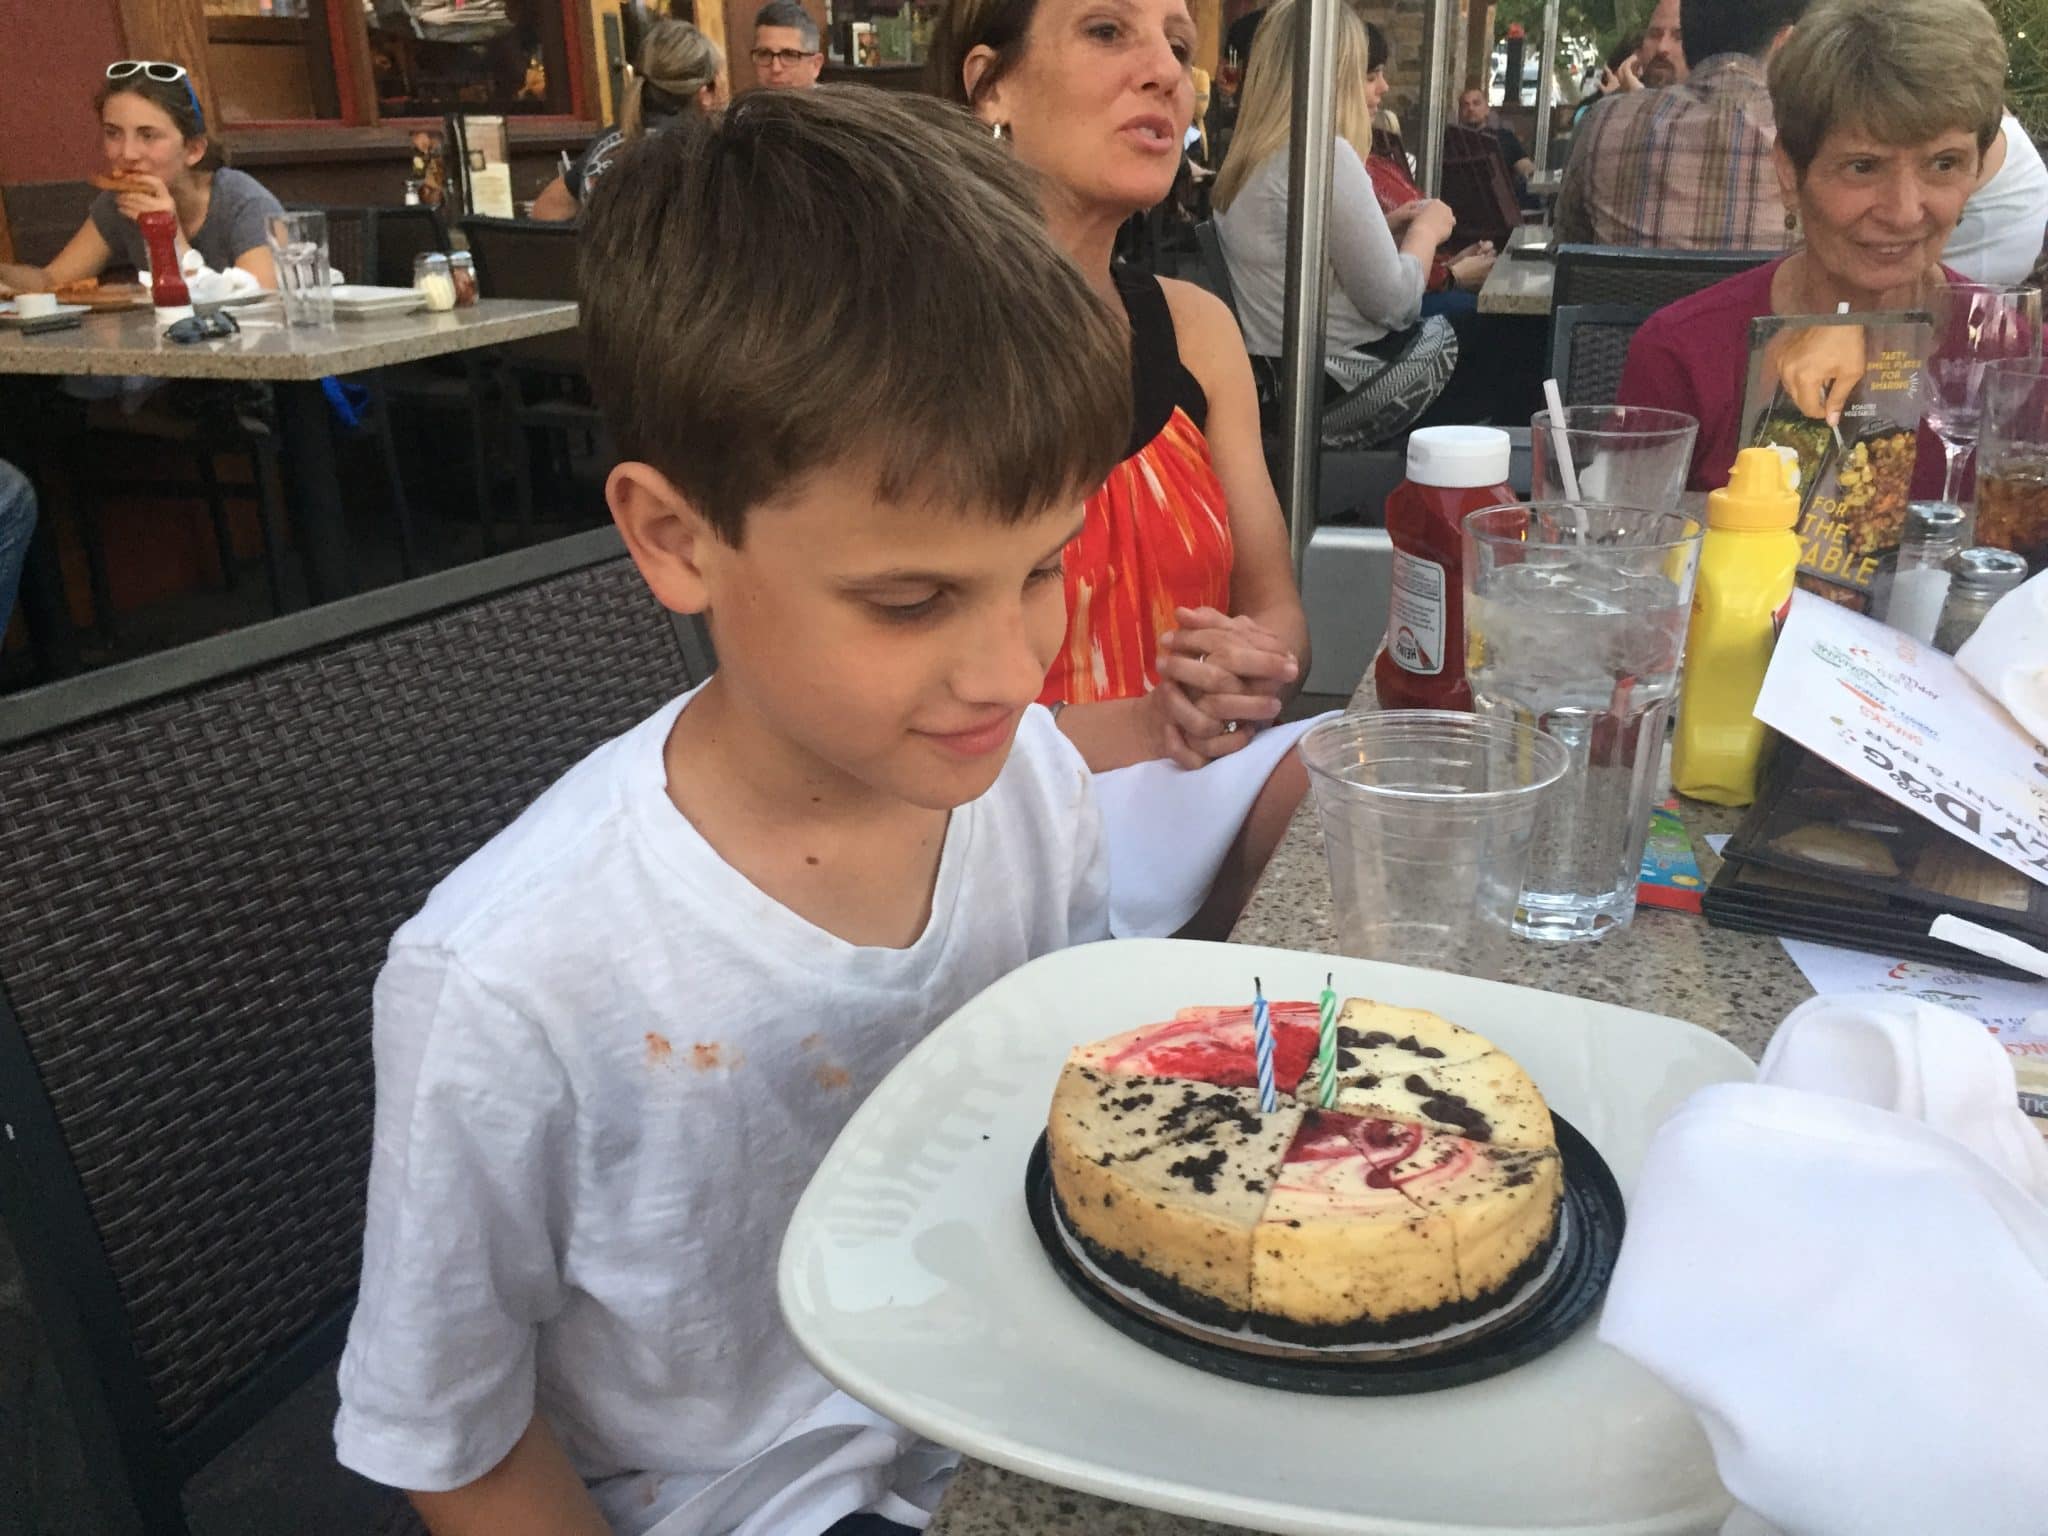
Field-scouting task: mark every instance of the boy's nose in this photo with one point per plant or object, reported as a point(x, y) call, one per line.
point(1002, 666)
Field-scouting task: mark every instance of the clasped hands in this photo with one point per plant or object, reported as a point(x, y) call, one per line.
point(1220, 679)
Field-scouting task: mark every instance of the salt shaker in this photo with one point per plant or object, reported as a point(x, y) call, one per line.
point(462, 267)
point(431, 277)
point(1980, 577)
point(1932, 537)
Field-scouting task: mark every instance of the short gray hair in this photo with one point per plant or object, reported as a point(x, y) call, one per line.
point(787, 13)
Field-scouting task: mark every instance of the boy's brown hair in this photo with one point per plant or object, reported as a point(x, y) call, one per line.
point(849, 277)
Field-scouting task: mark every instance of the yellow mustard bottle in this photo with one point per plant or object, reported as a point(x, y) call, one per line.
point(1748, 559)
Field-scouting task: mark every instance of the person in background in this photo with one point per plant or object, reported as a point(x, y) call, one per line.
point(1884, 114)
point(1474, 113)
point(1604, 80)
point(17, 526)
point(1383, 360)
point(1455, 277)
point(1998, 239)
point(1660, 56)
point(1186, 634)
point(785, 53)
point(1237, 41)
point(613, 1047)
point(154, 141)
point(1687, 167)
point(681, 71)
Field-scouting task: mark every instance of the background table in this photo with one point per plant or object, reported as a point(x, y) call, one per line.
point(1519, 285)
point(129, 342)
point(1738, 985)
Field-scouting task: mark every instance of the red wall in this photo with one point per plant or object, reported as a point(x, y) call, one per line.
point(55, 54)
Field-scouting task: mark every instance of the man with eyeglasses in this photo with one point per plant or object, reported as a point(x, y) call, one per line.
point(786, 54)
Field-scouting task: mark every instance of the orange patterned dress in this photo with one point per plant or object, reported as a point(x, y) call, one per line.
point(1156, 535)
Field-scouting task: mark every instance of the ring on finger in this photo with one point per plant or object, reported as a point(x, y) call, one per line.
point(1230, 727)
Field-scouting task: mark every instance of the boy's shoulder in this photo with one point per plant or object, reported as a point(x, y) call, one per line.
point(550, 867)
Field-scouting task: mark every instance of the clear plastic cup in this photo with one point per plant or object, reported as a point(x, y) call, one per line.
point(1633, 455)
point(1427, 819)
point(298, 247)
point(1575, 620)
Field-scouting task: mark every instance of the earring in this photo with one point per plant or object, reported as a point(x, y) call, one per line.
point(999, 132)
point(1791, 221)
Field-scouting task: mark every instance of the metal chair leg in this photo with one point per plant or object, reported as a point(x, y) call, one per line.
point(401, 508)
point(217, 513)
point(479, 448)
point(268, 477)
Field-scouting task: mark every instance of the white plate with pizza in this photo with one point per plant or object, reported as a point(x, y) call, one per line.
point(912, 1276)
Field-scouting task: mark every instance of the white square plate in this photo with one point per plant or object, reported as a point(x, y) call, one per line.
point(911, 1276)
point(11, 316)
point(359, 299)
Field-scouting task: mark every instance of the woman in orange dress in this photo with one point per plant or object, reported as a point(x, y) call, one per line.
point(1186, 634)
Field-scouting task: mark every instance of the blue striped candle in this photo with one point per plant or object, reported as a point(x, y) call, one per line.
point(1262, 1046)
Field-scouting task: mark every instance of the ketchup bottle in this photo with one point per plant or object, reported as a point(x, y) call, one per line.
point(167, 290)
point(1452, 471)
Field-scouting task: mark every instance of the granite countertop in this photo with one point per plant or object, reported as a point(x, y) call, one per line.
point(129, 342)
point(1738, 985)
point(1519, 287)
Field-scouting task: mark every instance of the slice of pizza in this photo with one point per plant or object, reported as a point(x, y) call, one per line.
point(106, 181)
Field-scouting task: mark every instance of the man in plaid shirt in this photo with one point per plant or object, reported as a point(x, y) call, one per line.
point(1687, 167)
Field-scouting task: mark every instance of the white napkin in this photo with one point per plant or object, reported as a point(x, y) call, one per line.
point(1168, 828)
point(2008, 656)
point(1843, 1268)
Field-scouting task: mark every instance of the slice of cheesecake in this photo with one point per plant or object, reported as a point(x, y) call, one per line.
point(1164, 1184)
point(1209, 1045)
point(1488, 1099)
point(1500, 1204)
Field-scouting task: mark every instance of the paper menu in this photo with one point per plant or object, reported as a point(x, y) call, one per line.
point(1902, 718)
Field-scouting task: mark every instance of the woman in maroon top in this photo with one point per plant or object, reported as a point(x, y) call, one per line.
point(1884, 115)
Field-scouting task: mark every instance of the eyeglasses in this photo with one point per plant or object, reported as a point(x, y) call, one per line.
point(788, 58)
point(214, 326)
point(164, 73)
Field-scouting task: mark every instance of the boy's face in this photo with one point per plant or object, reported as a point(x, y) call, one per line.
point(889, 647)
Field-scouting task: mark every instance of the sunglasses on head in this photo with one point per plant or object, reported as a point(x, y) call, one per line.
point(163, 73)
point(213, 326)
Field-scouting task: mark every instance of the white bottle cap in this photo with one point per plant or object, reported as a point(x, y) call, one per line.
point(1458, 458)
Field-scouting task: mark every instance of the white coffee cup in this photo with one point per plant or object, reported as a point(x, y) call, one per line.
point(31, 306)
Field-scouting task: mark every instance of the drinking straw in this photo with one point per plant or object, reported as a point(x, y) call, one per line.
point(1262, 1045)
point(1560, 440)
point(1327, 1055)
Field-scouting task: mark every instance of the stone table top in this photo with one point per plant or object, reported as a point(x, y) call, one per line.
point(1739, 985)
point(1519, 285)
point(129, 342)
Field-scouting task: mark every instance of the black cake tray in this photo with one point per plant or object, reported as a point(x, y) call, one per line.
point(1591, 1221)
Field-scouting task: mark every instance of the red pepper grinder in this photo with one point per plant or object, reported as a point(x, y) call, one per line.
point(167, 290)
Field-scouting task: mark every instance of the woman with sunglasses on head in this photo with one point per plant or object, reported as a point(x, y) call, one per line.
point(158, 156)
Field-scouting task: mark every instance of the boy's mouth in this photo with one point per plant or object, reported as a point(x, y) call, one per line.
point(977, 740)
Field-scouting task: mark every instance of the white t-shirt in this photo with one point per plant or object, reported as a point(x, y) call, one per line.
point(1377, 289)
point(1998, 238)
point(607, 1065)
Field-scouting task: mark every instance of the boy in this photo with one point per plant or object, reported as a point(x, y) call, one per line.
point(860, 397)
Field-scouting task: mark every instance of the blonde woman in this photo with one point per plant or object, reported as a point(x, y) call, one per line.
point(681, 71)
point(1385, 362)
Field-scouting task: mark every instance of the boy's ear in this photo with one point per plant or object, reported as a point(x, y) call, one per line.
point(664, 533)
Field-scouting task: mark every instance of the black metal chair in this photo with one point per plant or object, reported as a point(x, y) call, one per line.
point(400, 234)
point(1623, 274)
point(1588, 348)
point(546, 390)
point(203, 855)
point(1475, 183)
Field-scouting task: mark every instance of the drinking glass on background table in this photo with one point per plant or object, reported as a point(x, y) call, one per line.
point(1427, 816)
point(1575, 618)
point(298, 245)
point(1634, 455)
point(2012, 462)
point(1976, 326)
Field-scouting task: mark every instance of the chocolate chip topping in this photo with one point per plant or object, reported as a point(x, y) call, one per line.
point(1346, 1060)
point(1134, 1101)
point(1200, 1171)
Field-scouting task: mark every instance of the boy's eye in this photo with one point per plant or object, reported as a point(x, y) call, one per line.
point(1045, 573)
point(900, 613)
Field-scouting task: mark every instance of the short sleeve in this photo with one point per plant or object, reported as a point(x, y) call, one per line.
point(1088, 900)
point(468, 1172)
point(248, 218)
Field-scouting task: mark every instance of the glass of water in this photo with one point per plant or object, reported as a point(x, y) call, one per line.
point(1575, 618)
point(298, 245)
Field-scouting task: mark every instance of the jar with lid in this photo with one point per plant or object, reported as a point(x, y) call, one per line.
point(431, 277)
point(1452, 472)
point(1978, 578)
point(1932, 537)
point(462, 267)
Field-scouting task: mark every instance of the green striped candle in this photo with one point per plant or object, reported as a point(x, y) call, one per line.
point(1326, 1055)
